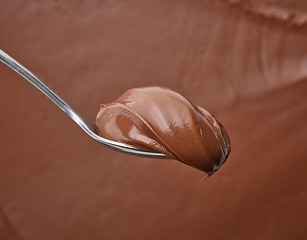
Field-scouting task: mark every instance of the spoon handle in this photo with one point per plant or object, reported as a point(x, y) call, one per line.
point(87, 125)
point(39, 84)
point(84, 123)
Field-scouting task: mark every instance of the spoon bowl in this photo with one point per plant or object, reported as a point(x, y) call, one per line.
point(87, 126)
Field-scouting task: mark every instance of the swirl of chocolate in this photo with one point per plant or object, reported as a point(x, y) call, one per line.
point(160, 119)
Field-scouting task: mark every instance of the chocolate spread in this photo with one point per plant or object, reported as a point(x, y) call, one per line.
point(160, 119)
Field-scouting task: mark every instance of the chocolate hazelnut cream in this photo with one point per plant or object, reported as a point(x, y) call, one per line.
point(161, 120)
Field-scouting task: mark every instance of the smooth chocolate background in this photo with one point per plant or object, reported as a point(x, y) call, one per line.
point(248, 69)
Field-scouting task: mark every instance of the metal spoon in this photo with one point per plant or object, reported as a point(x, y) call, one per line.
point(88, 126)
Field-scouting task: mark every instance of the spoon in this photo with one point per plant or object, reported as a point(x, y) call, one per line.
point(87, 126)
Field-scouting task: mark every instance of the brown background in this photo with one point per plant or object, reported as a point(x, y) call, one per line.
point(248, 70)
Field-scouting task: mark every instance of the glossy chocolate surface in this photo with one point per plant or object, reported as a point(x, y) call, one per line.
point(160, 119)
